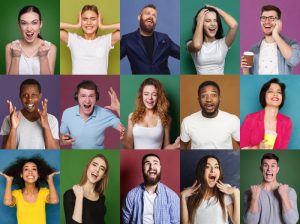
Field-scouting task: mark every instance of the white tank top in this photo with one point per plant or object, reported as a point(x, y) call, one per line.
point(148, 138)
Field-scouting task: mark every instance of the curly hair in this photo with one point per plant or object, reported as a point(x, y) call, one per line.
point(101, 185)
point(15, 170)
point(161, 108)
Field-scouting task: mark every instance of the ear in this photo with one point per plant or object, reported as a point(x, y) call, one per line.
point(41, 25)
point(260, 168)
point(139, 17)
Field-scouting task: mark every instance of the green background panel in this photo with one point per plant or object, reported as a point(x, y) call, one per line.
point(128, 92)
point(188, 10)
point(251, 175)
point(71, 168)
point(10, 27)
point(110, 10)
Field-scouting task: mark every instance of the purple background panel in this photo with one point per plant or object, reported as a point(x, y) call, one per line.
point(251, 32)
point(9, 90)
point(68, 87)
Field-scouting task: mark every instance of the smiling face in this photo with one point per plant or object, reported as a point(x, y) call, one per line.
point(212, 172)
point(274, 95)
point(96, 170)
point(30, 98)
point(30, 172)
point(269, 169)
point(268, 25)
point(86, 101)
point(151, 170)
point(30, 26)
point(150, 97)
point(209, 100)
point(147, 19)
point(89, 22)
point(210, 25)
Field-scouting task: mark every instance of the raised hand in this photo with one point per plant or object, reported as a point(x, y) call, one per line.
point(66, 139)
point(283, 190)
point(16, 49)
point(43, 114)
point(226, 188)
point(78, 191)
point(114, 101)
point(255, 191)
point(8, 178)
point(122, 131)
point(201, 15)
point(13, 115)
point(187, 192)
point(51, 175)
point(43, 49)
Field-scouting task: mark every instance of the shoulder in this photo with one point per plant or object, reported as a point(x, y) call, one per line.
point(44, 190)
point(130, 35)
point(103, 111)
point(69, 194)
point(52, 118)
point(168, 191)
point(284, 118)
point(130, 116)
point(193, 116)
point(161, 35)
point(289, 41)
point(230, 116)
point(256, 114)
point(292, 192)
point(70, 110)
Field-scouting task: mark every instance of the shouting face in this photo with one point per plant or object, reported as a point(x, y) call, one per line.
point(151, 170)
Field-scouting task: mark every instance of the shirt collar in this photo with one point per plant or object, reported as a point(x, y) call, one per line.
point(158, 189)
point(94, 114)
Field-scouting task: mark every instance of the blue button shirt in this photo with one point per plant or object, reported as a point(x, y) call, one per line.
point(88, 134)
point(166, 206)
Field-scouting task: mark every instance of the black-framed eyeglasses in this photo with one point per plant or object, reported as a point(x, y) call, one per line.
point(270, 18)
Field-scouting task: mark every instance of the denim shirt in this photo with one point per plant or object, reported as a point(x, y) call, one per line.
point(166, 206)
point(285, 66)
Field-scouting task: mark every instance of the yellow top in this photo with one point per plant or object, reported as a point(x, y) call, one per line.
point(31, 213)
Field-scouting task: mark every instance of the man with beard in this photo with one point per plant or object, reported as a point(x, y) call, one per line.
point(209, 128)
point(275, 54)
point(151, 202)
point(31, 127)
point(146, 49)
point(270, 201)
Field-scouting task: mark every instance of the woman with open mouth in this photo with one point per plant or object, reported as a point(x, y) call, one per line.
point(208, 46)
point(84, 203)
point(89, 52)
point(30, 198)
point(267, 128)
point(209, 200)
point(149, 125)
point(30, 55)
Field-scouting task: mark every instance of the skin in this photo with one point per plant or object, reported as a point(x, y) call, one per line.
point(30, 191)
point(271, 31)
point(151, 168)
point(87, 101)
point(207, 21)
point(273, 101)
point(30, 45)
point(89, 22)
point(211, 176)
point(147, 19)
point(95, 173)
point(30, 98)
point(150, 120)
point(269, 169)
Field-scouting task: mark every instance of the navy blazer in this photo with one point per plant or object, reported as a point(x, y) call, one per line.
point(132, 45)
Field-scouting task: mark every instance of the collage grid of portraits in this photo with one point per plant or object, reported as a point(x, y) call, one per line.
point(238, 95)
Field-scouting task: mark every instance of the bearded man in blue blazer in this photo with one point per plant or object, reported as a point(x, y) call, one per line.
point(147, 50)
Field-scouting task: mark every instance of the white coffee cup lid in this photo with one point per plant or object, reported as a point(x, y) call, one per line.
point(248, 53)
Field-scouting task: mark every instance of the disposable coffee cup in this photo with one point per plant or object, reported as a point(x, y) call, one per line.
point(248, 55)
point(269, 139)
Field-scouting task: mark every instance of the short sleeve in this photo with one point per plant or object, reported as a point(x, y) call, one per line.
point(44, 192)
point(236, 128)
point(71, 39)
point(64, 124)
point(223, 45)
point(5, 128)
point(16, 194)
point(108, 38)
point(53, 126)
point(184, 135)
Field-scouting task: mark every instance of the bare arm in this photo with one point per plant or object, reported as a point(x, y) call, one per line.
point(63, 26)
point(9, 199)
point(47, 57)
point(284, 48)
point(128, 140)
point(234, 208)
point(77, 213)
point(52, 198)
point(184, 145)
point(197, 41)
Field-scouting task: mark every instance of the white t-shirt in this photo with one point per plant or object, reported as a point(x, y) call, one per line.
point(210, 133)
point(210, 211)
point(148, 213)
point(30, 134)
point(30, 65)
point(89, 57)
point(268, 59)
point(211, 58)
point(148, 138)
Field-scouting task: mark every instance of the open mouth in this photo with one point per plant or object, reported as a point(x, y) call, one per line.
point(209, 107)
point(212, 178)
point(87, 106)
point(212, 29)
point(29, 35)
point(152, 172)
point(274, 98)
point(30, 106)
point(269, 174)
point(94, 175)
point(30, 177)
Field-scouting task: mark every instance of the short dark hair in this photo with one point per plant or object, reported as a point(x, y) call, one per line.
point(269, 156)
point(87, 84)
point(208, 83)
point(30, 82)
point(147, 155)
point(148, 6)
point(264, 89)
point(271, 8)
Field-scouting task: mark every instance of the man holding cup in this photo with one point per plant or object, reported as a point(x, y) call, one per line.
point(275, 54)
point(270, 201)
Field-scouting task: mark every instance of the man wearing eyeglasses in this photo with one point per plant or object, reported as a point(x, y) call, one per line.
point(275, 54)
